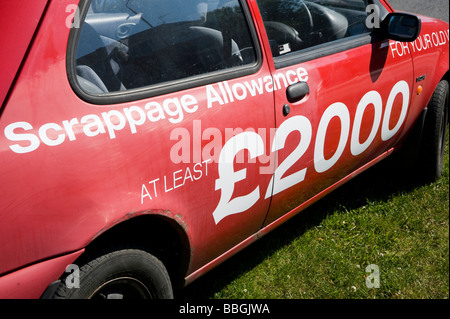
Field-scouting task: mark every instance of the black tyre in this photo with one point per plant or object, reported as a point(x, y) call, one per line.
point(431, 156)
point(119, 274)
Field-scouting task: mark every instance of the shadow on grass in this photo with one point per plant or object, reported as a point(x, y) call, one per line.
point(377, 184)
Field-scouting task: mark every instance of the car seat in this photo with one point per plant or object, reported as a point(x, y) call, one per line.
point(94, 66)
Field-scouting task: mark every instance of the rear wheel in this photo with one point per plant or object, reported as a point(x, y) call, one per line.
point(431, 156)
point(120, 274)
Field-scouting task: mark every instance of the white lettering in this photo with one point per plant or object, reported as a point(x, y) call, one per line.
point(402, 88)
point(68, 126)
point(114, 121)
point(228, 177)
point(43, 134)
point(133, 120)
point(239, 87)
point(32, 139)
point(255, 87)
point(144, 193)
point(155, 112)
point(94, 125)
point(423, 42)
point(168, 106)
point(339, 110)
point(213, 96)
point(370, 98)
point(189, 103)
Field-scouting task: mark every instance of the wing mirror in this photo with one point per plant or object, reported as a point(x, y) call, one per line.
point(403, 27)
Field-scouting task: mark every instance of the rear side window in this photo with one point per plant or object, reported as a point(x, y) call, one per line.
point(127, 45)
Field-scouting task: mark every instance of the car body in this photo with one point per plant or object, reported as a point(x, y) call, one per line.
point(137, 125)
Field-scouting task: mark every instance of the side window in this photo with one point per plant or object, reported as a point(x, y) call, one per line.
point(131, 44)
point(108, 6)
point(293, 25)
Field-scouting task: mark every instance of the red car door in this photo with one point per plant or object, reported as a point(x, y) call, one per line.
point(341, 96)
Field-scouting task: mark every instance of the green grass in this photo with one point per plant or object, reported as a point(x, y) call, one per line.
point(378, 218)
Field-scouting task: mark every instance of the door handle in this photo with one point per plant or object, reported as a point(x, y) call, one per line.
point(297, 91)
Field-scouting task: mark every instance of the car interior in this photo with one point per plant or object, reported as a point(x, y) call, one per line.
point(138, 43)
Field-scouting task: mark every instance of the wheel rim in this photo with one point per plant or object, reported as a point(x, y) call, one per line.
point(122, 288)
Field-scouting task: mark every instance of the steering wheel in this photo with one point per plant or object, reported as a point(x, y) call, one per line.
point(291, 24)
point(305, 29)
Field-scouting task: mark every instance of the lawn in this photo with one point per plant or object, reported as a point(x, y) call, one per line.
point(380, 221)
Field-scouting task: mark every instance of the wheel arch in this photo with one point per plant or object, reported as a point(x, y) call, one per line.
point(446, 76)
point(156, 232)
point(407, 156)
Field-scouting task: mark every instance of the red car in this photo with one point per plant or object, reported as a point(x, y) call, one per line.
point(143, 142)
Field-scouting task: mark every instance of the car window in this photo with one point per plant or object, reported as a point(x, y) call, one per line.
point(130, 44)
point(294, 25)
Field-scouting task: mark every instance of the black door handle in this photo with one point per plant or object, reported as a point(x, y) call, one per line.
point(297, 91)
